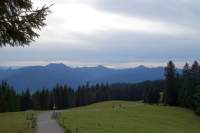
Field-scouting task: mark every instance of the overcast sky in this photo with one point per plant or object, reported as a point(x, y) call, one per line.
point(115, 33)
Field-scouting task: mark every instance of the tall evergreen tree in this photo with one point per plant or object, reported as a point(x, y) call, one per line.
point(171, 92)
point(196, 97)
point(8, 98)
point(194, 79)
point(183, 92)
point(28, 99)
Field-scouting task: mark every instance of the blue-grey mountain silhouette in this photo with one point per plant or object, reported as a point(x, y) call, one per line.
point(38, 77)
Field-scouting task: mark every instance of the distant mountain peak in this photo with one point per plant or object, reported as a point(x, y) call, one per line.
point(141, 67)
point(101, 66)
point(95, 67)
point(57, 66)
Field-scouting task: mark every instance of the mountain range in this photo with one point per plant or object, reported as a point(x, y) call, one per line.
point(38, 77)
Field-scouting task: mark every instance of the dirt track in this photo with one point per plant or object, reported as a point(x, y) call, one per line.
point(46, 124)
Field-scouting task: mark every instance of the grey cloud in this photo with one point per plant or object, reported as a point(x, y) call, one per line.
point(110, 47)
point(183, 12)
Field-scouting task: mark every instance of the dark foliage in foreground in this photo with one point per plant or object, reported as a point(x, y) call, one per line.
point(19, 22)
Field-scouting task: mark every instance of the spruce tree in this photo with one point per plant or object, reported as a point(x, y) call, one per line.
point(170, 93)
point(183, 92)
point(196, 97)
point(19, 22)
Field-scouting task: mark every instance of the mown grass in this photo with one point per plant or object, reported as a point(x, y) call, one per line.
point(17, 122)
point(129, 117)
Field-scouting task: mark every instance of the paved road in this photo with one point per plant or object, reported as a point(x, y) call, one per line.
point(46, 124)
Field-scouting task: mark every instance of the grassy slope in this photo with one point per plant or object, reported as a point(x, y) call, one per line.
point(14, 123)
point(132, 117)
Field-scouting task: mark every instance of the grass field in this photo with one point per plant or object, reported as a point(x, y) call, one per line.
point(129, 117)
point(15, 123)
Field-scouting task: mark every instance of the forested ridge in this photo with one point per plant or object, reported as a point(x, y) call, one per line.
point(176, 90)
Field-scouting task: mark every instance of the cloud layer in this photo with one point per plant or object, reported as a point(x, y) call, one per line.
point(113, 32)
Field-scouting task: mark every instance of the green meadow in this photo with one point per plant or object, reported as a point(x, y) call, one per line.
point(15, 122)
point(129, 117)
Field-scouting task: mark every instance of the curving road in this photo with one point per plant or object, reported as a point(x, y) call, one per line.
point(45, 124)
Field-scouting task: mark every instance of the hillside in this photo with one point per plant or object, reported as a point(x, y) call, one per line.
point(130, 117)
point(37, 77)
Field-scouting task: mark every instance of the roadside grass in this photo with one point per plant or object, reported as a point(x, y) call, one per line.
point(129, 117)
point(18, 122)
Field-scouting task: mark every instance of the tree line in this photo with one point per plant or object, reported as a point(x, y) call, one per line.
point(65, 97)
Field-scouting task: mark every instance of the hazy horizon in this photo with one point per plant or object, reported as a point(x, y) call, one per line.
point(178, 64)
point(113, 33)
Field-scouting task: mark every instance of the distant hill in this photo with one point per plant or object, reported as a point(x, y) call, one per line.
point(37, 77)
